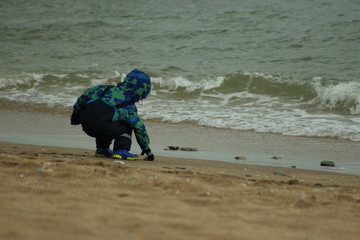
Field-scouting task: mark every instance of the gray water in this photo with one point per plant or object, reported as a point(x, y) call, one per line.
point(282, 66)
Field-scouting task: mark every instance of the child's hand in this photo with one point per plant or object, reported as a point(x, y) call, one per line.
point(150, 156)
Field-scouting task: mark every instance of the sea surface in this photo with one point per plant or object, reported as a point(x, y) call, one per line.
point(280, 66)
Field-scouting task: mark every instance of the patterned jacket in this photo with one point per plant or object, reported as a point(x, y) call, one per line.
point(136, 86)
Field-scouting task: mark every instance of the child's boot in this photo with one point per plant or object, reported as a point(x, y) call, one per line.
point(124, 154)
point(103, 152)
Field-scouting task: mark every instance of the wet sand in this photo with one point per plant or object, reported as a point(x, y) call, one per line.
point(213, 144)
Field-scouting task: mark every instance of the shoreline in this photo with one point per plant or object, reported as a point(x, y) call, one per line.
point(260, 149)
point(248, 171)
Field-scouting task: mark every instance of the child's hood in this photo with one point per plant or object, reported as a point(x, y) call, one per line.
point(137, 85)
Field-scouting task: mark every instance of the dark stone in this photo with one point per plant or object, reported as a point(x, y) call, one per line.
point(172, 148)
point(327, 164)
point(176, 148)
point(294, 182)
point(190, 149)
point(123, 195)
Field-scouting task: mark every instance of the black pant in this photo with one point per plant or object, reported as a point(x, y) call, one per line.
point(117, 131)
point(96, 121)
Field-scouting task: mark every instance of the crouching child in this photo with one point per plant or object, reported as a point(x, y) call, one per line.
point(108, 113)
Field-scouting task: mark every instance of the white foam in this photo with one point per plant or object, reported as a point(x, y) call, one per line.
point(265, 76)
point(95, 82)
point(258, 115)
point(21, 79)
point(190, 86)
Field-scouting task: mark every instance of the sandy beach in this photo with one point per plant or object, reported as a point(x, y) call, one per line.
point(62, 192)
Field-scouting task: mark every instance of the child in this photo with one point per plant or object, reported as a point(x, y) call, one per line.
point(109, 113)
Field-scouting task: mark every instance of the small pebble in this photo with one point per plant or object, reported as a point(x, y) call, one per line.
point(123, 194)
point(41, 170)
point(180, 167)
point(119, 162)
point(172, 148)
point(281, 173)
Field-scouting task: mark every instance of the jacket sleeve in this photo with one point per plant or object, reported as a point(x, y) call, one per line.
point(80, 104)
point(141, 134)
point(88, 94)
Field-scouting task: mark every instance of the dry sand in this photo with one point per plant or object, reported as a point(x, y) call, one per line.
point(65, 193)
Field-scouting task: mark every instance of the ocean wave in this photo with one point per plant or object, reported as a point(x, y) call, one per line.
point(186, 85)
point(237, 82)
point(241, 101)
point(344, 97)
point(235, 88)
point(315, 93)
point(42, 81)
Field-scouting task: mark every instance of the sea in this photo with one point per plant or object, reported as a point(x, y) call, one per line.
point(278, 66)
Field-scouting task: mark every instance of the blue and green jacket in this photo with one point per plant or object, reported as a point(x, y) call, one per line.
point(136, 86)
